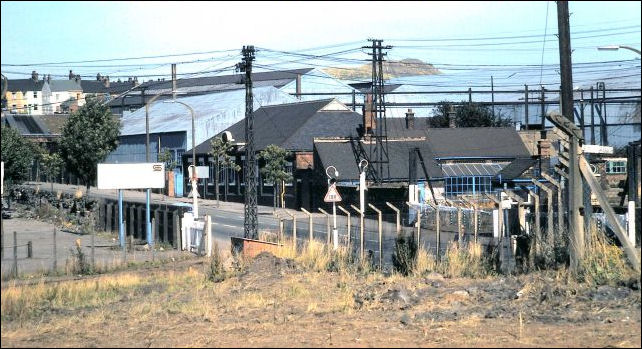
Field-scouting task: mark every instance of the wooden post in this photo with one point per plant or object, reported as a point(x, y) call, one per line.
point(560, 214)
point(327, 216)
point(109, 218)
point(55, 252)
point(93, 255)
point(310, 226)
point(549, 205)
point(629, 248)
point(536, 223)
point(29, 250)
point(132, 219)
point(460, 230)
point(165, 227)
point(140, 224)
point(176, 231)
point(156, 230)
point(15, 255)
point(293, 228)
point(380, 227)
point(360, 230)
point(398, 212)
point(347, 223)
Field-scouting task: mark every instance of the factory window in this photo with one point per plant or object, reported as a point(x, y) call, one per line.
point(615, 167)
point(467, 185)
point(35, 94)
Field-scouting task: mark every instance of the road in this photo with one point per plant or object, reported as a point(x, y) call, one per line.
point(228, 219)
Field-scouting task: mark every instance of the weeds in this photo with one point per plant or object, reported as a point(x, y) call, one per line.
point(404, 257)
point(216, 272)
point(79, 263)
point(604, 263)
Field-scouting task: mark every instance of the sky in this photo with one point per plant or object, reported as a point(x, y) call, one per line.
point(447, 34)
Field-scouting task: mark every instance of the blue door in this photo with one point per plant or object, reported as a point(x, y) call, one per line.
point(178, 183)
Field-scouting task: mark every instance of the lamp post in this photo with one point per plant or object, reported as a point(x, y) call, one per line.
point(617, 47)
point(148, 222)
point(335, 232)
point(193, 177)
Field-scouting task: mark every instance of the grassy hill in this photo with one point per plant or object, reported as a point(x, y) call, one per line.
point(391, 69)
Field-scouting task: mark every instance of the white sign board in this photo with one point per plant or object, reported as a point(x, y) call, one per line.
point(131, 176)
point(201, 172)
point(597, 149)
point(332, 195)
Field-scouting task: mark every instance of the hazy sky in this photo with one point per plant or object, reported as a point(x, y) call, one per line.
point(54, 32)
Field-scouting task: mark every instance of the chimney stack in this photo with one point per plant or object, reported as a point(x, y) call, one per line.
point(544, 150)
point(451, 116)
point(369, 122)
point(34, 76)
point(410, 119)
point(98, 77)
point(106, 81)
point(71, 74)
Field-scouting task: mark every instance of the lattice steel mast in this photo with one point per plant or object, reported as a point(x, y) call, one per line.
point(249, 165)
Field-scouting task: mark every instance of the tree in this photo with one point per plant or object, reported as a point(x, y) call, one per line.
point(274, 169)
point(467, 115)
point(90, 134)
point(17, 153)
point(51, 165)
point(220, 150)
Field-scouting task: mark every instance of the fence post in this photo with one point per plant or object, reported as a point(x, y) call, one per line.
point(560, 214)
point(380, 227)
point(437, 229)
point(460, 229)
point(360, 230)
point(347, 223)
point(398, 216)
point(93, 255)
point(29, 250)
point(154, 240)
point(536, 221)
point(549, 206)
point(15, 255)
point(293, 228)
point(124, 245)
point(177, 231)
point(310, 225)
point(208, 230)
point(132, 218)
point(327, 216)
point(165, 227)
point(55, 252)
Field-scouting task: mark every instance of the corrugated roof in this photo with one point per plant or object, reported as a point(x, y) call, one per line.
point(472, 169)
point(213, 113)
point(293, 126)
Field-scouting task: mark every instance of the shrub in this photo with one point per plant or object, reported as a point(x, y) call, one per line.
point(404, 256)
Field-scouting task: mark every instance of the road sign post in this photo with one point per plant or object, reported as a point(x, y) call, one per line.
point(333, 196)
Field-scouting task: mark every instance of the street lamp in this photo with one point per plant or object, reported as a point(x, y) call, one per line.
point(193, 177)
point(617, 47)
point(335, 232)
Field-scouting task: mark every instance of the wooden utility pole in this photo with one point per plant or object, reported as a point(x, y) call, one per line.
point(576, 233)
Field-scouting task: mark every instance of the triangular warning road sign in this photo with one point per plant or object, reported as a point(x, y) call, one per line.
point(332, 195)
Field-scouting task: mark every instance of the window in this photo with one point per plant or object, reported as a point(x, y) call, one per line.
point(35, 107)
point(35, 94)
point(467, 185)
point(615, 167)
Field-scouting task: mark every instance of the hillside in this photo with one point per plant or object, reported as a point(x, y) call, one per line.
point(391, 69)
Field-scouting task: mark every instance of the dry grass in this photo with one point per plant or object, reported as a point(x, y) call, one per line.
point(19, 302)
point(466, 261)
point(604, 263)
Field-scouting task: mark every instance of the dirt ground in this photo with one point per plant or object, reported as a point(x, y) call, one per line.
point(275, 303)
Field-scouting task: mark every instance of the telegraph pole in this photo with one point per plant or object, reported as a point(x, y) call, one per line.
point(249, 166)
point(576, 234)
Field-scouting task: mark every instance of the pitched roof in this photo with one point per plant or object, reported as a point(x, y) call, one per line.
point(93, 86)
point(23, 85)
point(293, 126)
point(64, 85)
point(26, 124)
point(476, 142)
point(342, 155)
point(517, 167)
